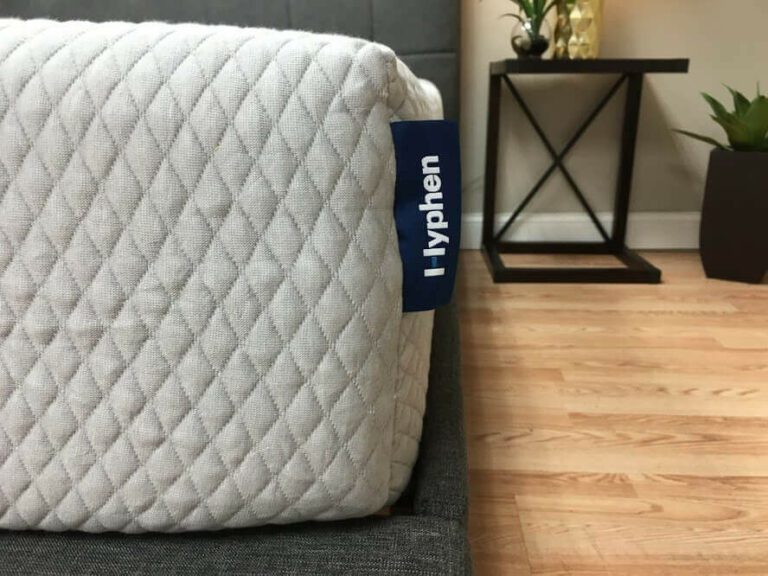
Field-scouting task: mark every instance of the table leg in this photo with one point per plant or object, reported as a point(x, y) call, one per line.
point(627, 161)
point(491, 160)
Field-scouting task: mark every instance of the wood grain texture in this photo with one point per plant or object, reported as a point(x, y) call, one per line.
point(617, 430)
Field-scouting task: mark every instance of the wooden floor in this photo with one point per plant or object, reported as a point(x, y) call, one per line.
point(617, 430)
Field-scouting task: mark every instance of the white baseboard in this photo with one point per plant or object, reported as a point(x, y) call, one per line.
point(646, 230)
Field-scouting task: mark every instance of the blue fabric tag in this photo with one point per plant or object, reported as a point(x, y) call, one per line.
point(428, 210)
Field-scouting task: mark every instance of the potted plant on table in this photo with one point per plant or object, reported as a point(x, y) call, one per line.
point(530, 39)
point(734, 231)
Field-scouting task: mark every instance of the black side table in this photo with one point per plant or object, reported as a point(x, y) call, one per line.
point(636, 270)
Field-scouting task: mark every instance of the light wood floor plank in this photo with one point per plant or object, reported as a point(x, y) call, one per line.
point(617, 430)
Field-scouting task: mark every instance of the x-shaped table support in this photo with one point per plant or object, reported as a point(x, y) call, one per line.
point(635, 269)
point(558, 158)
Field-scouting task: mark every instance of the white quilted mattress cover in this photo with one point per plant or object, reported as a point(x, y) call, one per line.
point(200, 283)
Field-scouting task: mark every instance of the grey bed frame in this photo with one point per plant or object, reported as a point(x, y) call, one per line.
point(426, 533)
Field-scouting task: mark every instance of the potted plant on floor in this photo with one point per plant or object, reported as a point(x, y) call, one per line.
point(734, 231)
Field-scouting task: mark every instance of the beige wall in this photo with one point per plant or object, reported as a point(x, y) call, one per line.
point(727, 42)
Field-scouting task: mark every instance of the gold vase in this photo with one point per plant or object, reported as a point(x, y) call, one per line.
point(578, 29)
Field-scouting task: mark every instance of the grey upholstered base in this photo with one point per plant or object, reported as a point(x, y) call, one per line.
point(429, 540)
point(390, 546)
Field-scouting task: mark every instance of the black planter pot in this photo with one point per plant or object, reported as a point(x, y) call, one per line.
point(734, 222)
point(530, 47)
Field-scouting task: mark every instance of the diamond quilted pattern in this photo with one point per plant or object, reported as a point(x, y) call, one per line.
point(199, 278)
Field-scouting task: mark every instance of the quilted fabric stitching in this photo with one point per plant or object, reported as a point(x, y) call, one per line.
point(293, 504)
point(194, 341)
point(192, 51)
point(126, 363)
point(286, 344)
point(39, 66)
point(345, 443)
point(352, 378)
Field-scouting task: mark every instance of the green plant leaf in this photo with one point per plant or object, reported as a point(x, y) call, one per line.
point(717, 106)
point(756, 118)
point(536, 15)
point(513, 15)
point(739, 134)
point(702, 138)
point(526, 6)
point(740, 102)
point(534, 12)
point(746, 127)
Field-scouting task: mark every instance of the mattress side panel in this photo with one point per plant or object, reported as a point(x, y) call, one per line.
point(412, 99)
point(199, 277)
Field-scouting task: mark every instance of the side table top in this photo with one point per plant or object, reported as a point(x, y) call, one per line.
point(599, 66)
